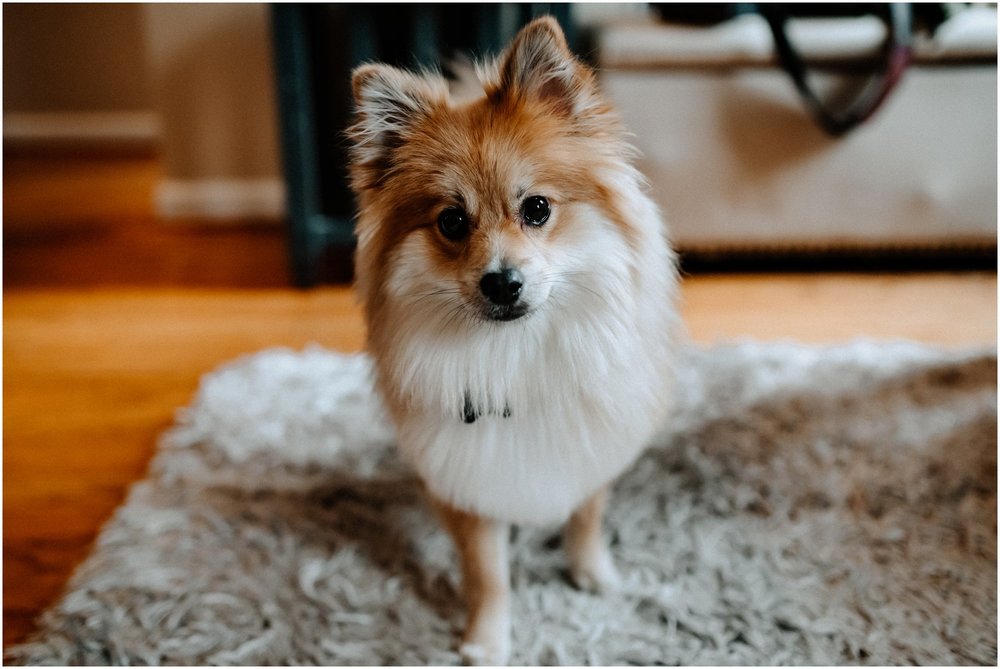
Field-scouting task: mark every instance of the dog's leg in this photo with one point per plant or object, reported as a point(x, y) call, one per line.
point(589, 558)
point(482, 549)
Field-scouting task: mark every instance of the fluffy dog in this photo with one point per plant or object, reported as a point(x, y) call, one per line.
point(519, 293)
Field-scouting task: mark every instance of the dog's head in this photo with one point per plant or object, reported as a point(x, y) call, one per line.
point(484, 210)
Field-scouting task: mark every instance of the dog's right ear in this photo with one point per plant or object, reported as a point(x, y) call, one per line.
point(539, 64)
point(387, 103)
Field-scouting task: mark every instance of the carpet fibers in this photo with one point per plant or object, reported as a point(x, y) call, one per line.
point(805, 505)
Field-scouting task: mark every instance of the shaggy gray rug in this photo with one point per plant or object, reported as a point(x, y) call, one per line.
point(805, 506)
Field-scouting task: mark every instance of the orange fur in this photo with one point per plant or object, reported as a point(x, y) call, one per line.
point(481, 544)
point(590, 563)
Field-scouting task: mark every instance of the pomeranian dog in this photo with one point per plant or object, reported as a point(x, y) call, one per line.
point(519, 293)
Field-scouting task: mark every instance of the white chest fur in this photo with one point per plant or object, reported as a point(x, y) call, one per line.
point(575, 422)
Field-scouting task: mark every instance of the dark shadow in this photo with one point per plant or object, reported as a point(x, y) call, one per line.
point(752, 434)
point(749, 120)
point(382, 518)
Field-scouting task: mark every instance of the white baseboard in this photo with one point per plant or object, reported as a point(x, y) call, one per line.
point(112, 128)
point(221, 200)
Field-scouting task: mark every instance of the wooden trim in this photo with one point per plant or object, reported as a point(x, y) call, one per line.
point(114, 129)
point(221, 200)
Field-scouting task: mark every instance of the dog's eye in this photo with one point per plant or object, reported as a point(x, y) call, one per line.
point(535, 210)
point(453, 223)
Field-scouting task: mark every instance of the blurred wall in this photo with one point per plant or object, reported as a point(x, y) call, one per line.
point(194, 82)
point(213, 78)
point(74, 75)
point(212, 72)
point(79, 57)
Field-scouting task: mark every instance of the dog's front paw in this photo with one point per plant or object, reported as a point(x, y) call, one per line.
point(487, 638)
point(596, 573)
point(485, 652)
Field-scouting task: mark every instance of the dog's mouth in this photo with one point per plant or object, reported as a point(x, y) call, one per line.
point(510, 312)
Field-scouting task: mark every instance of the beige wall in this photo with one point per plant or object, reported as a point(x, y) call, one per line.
point(74, 58)
point(213, 79)
point(193, 81)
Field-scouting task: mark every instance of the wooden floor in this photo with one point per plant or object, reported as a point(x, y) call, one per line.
point(111, 317)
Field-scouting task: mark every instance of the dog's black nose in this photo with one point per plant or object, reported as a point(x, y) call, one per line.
point(503, 287)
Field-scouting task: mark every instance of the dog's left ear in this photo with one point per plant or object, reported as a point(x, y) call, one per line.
point(388, 102)
point(539, 64)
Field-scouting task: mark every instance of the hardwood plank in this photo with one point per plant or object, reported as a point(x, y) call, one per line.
point(946, 309)
point(90, 222)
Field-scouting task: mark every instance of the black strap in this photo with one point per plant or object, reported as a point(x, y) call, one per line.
point(895, 56)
